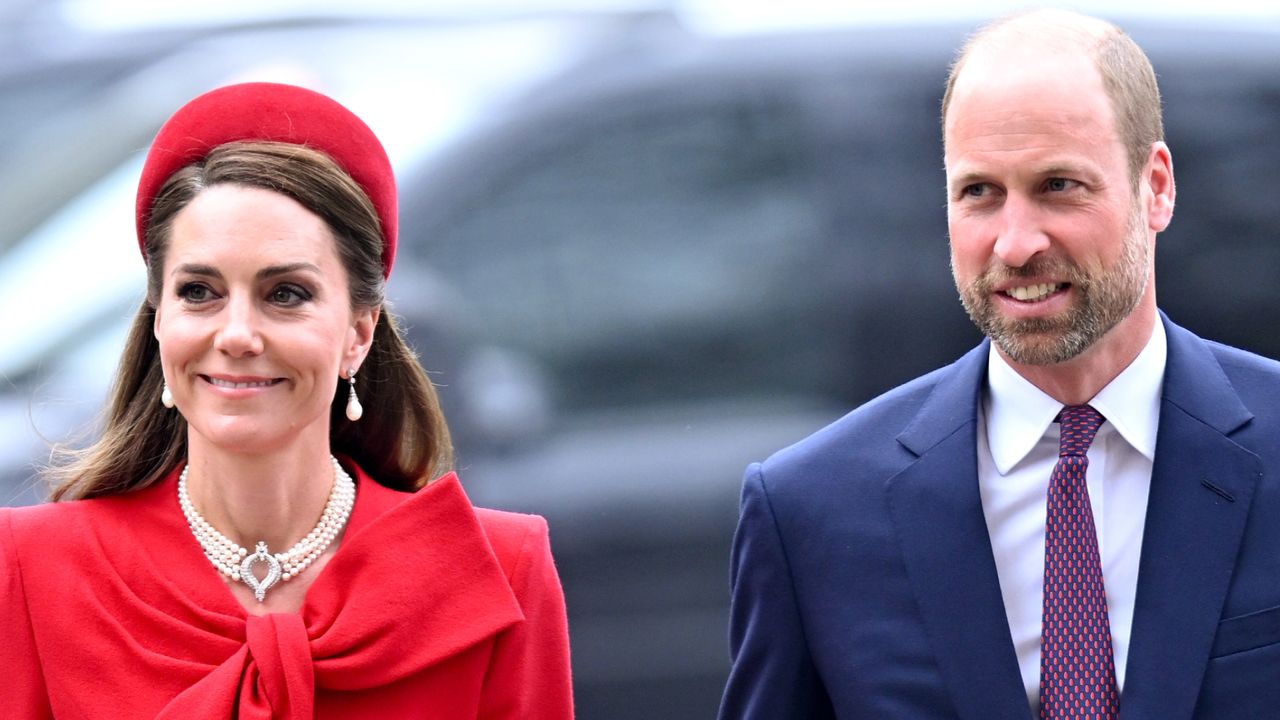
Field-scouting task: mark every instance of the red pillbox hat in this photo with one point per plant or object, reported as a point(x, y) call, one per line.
point(276, 113)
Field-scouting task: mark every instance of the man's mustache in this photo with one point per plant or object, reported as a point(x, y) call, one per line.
point(1054, 268)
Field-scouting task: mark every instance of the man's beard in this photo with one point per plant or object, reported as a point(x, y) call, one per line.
point(1102, 300)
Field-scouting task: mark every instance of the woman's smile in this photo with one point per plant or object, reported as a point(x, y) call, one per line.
point(239, 387)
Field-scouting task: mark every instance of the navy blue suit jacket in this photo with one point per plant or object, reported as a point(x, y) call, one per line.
point(864, 584)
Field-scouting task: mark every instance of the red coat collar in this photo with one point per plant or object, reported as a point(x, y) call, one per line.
point(414, 582)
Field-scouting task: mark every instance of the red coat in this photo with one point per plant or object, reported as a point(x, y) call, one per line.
point(429, 609)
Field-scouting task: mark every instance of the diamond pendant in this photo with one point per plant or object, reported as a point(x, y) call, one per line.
point(260, 587)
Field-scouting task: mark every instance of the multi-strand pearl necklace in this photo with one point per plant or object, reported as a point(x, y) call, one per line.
point(237, 562)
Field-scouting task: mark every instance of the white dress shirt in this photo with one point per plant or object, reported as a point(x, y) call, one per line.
point(1017, 449)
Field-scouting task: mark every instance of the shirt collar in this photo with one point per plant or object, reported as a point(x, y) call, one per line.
point(1018, 413)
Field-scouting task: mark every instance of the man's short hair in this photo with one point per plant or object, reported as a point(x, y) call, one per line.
point(1127, 76)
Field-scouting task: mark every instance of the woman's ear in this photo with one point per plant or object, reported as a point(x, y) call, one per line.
point(360, 338)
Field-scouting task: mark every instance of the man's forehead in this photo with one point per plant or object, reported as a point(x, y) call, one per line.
point(1046, 42)
point(1038, 104)
point(1006, 83)
point(1024, 60)
point(1049, 30)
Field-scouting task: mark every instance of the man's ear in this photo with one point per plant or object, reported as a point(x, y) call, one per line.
point(1157, 180)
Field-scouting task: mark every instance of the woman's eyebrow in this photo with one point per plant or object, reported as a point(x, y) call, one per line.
point(197, 269)
point(273, 270)
point(266, 272)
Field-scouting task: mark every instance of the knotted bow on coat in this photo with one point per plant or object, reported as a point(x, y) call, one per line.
point(415, 586)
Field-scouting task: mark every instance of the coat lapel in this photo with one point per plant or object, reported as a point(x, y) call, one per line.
point(937, 513)
point(1201, 488)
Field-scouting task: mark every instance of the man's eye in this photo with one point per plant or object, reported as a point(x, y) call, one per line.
point(975, 190)
point(195, 292)
point(1059, 184)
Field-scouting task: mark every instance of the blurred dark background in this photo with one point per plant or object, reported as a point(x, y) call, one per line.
point(636, 254)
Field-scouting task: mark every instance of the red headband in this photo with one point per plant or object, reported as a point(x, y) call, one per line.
point(276, 113)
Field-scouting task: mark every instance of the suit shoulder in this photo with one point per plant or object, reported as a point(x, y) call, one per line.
point(1255, 378)
point(867, 435)
point(1242, 362)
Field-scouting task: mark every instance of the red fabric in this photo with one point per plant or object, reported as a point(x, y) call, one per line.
point(429, 609)
point(277, 113)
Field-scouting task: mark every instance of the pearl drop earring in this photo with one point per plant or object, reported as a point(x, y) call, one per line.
point(354, 409)
point(166, 397)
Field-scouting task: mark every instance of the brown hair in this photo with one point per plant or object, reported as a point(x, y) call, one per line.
point(1127, 77)
point(402, 440)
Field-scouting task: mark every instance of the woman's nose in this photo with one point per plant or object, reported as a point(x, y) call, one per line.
point(239, 333)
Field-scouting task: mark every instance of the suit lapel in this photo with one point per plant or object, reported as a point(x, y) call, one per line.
point(1201, 488)
point(937, 513)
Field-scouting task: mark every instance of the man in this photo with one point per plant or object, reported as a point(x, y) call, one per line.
point(1073, 520)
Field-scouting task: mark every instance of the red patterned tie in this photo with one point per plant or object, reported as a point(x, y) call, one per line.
point(1077, 667)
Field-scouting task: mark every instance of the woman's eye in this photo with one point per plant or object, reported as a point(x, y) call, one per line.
point(288, 295)
point(195, 292)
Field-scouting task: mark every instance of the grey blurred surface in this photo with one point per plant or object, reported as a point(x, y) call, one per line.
point(631, 271)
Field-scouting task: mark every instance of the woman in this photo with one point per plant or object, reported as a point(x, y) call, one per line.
point(254, 535)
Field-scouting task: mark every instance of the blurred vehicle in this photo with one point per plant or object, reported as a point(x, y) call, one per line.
point(77, 126)
point(710, 252)
point(660, 263)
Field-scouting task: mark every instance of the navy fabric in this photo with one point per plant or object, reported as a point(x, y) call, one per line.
point(864, 584)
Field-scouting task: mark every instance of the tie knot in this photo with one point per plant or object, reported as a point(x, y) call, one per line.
point(1079, 424)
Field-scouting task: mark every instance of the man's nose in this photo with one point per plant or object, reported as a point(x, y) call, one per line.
point(1021, 232)
point(239, 335)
